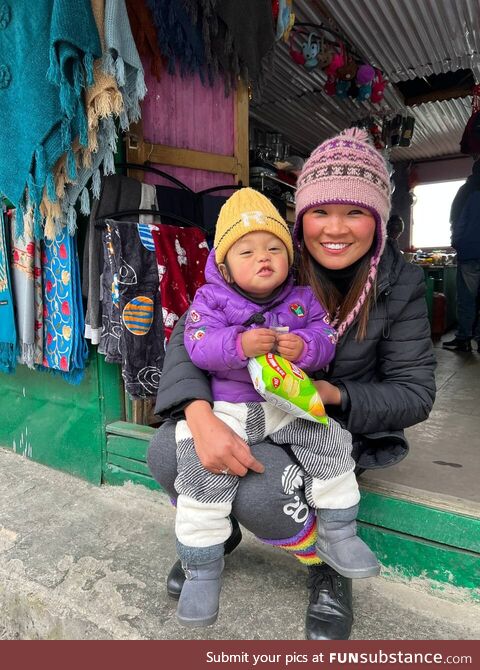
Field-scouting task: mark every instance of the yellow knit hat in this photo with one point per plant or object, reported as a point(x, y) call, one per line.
point(247, 211)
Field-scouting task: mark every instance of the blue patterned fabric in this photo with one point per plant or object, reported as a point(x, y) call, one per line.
point(64, 347)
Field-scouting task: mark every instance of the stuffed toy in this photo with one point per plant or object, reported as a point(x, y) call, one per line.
point(364, 78)
point(310, 50)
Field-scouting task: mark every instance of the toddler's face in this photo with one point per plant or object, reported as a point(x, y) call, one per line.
point(257, 263)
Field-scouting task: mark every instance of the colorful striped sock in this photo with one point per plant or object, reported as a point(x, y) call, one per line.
point(302, 545)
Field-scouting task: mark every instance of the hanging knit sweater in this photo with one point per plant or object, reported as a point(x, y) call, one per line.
point(48, 48)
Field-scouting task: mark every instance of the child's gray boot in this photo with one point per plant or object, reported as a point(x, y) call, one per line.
point(340, 547)
point(198, 603)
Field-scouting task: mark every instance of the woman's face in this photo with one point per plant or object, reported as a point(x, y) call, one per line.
point(338, 235)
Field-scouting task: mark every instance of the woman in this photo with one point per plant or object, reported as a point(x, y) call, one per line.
point(381, 381)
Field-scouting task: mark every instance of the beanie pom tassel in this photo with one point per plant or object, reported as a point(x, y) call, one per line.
point(355, 133)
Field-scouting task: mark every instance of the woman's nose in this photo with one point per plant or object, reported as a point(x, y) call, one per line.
point(335, 225)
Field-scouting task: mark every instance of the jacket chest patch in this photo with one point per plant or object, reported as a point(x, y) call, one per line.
point(198, 334)
point(297, 309)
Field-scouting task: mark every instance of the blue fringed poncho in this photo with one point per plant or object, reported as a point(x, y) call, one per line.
point(48, 48)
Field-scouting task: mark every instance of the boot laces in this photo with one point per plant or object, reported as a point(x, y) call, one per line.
point(323, 579)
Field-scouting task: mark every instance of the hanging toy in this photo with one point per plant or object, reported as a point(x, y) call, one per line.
point(337, 60)
point(378, 87)
point(310, 50)
point(364, 78)
point(325, 54)
point(348, 71)
point(342, 86)
point(330, 86)
point(285, 18)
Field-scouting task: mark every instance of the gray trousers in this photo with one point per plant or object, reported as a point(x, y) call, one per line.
point(272, 505)
point(324, 452)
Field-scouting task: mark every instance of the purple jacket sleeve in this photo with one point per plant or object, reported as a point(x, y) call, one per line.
point(211, 343)
point(319, 337)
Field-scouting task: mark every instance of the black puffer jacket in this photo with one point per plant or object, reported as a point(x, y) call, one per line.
point(389, 376)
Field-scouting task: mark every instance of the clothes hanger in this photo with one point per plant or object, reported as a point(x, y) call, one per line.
point(146, 167)
point(219, 188)
point(100, 222)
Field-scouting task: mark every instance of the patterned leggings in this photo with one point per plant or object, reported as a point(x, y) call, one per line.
point(324, 467)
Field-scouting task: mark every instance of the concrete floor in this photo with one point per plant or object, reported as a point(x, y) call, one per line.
point(81, 562)
point(443, 466)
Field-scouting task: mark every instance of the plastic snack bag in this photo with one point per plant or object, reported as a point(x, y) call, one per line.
point(287, 387)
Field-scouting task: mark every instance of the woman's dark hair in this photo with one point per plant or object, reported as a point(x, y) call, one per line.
point(338, 307)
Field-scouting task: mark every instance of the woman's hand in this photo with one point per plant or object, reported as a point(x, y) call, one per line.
point(218, 447)
point(290, 346)
point(329, 393)
point(257, 341)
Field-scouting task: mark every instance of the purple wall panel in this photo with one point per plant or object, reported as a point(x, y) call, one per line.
point(184, 113)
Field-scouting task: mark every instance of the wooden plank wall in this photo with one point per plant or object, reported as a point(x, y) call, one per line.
point(185, 114)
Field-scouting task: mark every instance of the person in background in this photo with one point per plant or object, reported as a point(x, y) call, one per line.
point(395, 227)
point(380, 381)
point(465, 227)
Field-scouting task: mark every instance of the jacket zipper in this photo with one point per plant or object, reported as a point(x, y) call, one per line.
point(386, 319)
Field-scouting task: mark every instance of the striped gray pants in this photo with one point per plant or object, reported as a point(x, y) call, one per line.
point(323, 452)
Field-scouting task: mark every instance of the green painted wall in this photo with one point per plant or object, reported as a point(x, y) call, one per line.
point(50, 421)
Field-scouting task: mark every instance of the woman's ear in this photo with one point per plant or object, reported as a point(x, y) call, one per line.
point(224, 271)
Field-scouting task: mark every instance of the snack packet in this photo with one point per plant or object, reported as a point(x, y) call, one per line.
point(286, 386)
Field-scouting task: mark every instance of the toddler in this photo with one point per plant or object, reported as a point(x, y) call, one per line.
point(248, 295)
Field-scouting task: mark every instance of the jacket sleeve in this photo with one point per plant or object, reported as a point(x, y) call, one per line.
point(319, 337)
point(404, 390)
point(211, 342)
point(181, 381)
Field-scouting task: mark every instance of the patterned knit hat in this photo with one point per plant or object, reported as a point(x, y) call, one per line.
point(247, 211)
point(347, 169)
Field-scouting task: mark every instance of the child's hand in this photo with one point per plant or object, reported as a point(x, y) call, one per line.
point(290, 346)
point(257, 341)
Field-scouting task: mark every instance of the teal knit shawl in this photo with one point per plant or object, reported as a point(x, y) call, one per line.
point(48, 48)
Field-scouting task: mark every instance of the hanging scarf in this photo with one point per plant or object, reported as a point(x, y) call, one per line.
point(111, 329)
point(122, 60)
point(144, 35)
point(181, 256)
point(8, 334)
point(180, 41)
point(141, 338)
point(42, 99)
point(23, 262)
point(65, 349)
point(38, 304)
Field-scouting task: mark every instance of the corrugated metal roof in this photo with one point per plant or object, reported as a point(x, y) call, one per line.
point(406, 39)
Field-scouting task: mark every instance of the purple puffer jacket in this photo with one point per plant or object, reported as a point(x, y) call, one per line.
point(214, 324)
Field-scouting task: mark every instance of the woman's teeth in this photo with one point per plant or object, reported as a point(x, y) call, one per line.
point(333, 245)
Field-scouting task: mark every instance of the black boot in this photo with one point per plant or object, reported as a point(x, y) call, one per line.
point(176, 576)
point(458, 345)
point(329, 614)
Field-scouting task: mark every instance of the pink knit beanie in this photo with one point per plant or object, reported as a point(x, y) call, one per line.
point(347, 169)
